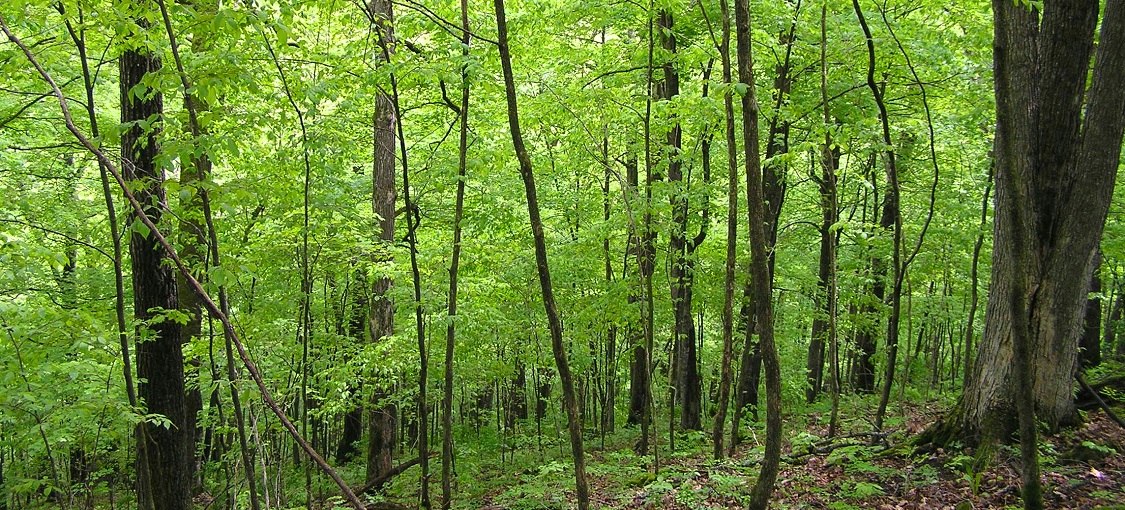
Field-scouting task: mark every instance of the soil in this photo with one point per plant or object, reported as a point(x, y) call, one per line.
point(1082, 468)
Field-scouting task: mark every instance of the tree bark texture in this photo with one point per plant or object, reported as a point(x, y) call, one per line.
point(759, 265)
point(685, 372)
point(382, 424)
point(164, 458)
point(1057, 165)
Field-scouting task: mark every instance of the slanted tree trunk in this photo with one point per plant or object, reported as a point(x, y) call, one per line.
point(164, 453)
point(558, 348)
point(891, 220)
point(381, 424)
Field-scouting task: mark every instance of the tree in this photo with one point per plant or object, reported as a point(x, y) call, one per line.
point(164, 460)
point(1057, 157)
point(759, 262)
point(570, 405)
point(381, 424)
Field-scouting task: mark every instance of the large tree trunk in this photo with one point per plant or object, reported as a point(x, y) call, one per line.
point(685, 372)
point(381, 427)
point(164, 453)
point(773, 192)
point(1055, 167)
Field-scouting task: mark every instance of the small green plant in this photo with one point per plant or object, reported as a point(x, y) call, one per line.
point(863, 490)
point(967, 465)
point(1099, 448)
point(657, 489)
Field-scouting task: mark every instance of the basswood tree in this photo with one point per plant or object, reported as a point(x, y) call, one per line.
point(381, 418)
point(1058, 141)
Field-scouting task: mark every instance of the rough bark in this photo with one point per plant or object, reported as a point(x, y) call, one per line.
point(381, 425)
point(164, 458)
point(1056, 163)
point(685, 372)
point(773, 192)
point(756, 206)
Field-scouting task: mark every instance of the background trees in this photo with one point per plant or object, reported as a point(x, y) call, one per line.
point(621, 110)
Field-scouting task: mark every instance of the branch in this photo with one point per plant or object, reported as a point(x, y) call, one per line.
point(208, 303)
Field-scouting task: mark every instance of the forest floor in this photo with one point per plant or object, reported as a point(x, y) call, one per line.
point(1083, 468)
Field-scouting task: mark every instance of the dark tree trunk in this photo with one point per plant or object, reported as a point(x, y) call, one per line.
point(357, 329)
point(1113, 338)
point(637, 249)
point(759, 265)
point(164, 458)
point(729, 283)
point(1090, 345)
point(825, 274)
point(517, 397)
point(685, 372)
point(558, 348)
point(750, 368)
point(773, 192)
point(542, 396)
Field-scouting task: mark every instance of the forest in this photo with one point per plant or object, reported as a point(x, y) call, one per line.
point(556, 254)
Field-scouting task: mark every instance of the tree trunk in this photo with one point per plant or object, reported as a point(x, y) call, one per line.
point(637, 248)
point(825, 272)
point(558, 348)
point(454, 268)
point(732, 240)
point(1113, 338)
point(759, 265)
point(164, 458)
point(685, 373)
point(1055, 167)
point(1090, 348)
point(357, 329)
point(381, 424)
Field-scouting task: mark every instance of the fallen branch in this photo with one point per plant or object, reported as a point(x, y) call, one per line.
point(376, 484)
point(1109, 412)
